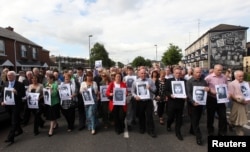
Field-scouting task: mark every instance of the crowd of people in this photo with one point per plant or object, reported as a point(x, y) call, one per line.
point(98, 94)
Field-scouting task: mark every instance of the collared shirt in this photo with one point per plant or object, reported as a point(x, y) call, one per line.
point(150, 83)
point(213, 80)
point(11, 84)
point(194, 82)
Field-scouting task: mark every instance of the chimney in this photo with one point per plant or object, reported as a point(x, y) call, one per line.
point(10, 28)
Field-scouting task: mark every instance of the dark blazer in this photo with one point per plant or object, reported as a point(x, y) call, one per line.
point(177, 101)
point(19, 87)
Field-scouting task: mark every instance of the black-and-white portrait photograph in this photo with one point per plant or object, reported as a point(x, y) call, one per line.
point(103, 89)
point(47, 96)
point(87, 97)
point(119, 97)
point(64, 91)
point(129, 81)
point(32, 100)
point(199, 95)
point(178, 89)
point(221, 93)
point(244, 87)
point(9, 96)
point(98, 64)
point(142, 90)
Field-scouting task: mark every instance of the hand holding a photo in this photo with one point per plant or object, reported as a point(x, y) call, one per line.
point(14, 91)
point(196, 104)
point(206, 89)
point(3, 104)
point(137, 98)
point(172, 96)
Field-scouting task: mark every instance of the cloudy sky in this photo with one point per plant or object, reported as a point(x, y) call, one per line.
point(127, 28)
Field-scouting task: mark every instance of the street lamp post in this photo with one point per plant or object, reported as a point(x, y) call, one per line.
point(156, 51)
point(89, 51)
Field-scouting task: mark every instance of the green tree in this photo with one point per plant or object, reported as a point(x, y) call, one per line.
point(148, 63)
point(172, 55)
point(98, 52)
point(120, 65)
point(139, 61)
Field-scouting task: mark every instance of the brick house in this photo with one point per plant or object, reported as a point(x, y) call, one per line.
point(18, 53)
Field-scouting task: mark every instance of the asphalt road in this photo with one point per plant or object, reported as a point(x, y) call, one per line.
point(105, 140)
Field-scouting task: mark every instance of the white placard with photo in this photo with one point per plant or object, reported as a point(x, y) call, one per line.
point(244, 87)
point(9, 98)
point(32, 100)
point(221, 93)
point(103, 89)
point(199, 95)
point(64, 92)
point(47, 96)
point(119, 96)
point(98, 64)
point(178, 89)
point(87, 97)
point(129, 81)
point(142, 90)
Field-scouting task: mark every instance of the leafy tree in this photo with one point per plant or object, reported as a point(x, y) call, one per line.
point(120, 65)
point(98, 52)
point(139, 61)
point(172, 55)
point(148, 63)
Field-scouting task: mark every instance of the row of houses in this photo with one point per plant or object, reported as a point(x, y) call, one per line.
point(19, 53)
point(224, 44)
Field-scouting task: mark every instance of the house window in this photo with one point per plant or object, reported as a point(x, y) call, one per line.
point(23, 51)
point(2, 47)
point(34, 53)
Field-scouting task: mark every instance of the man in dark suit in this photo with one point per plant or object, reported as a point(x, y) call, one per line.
point(175, 105)
point(14, 110)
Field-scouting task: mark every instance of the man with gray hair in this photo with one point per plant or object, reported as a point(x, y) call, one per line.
point(14, 110)
point(238, 115)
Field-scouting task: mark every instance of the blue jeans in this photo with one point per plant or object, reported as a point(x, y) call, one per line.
point(91, 116)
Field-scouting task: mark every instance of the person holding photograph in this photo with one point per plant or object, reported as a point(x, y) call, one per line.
point(68, 106)
point(36, 87)
point(90, 109)
point(239, 111)
point(14, 110)
point(118, 111)
point(195, 109)
point(216, 78)
point(145, 106)
point(52, 111)
point(105, 105)
point(175, 105)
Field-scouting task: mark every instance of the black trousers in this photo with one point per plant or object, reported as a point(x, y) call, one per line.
point(212, 107)
point(14, 112)
point(145, 115)
point(69, 115)
point(81, 112)
point(195, 116)
point(38, 121)
point(105, 112)
point(119, 117)
point(175, 111)
point(26, 114)
point(160, 108)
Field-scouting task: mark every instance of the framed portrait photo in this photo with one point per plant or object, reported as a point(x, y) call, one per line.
point(47, 96)
point(32, 100)
point(129, 81)
point(64, 91)
point(221, 93)
point(9, 98)
point(199, 95)
point(178, 89)
point(103, 89)
point(87, 97)
point(244, 87)
point(142, 90)
point(119, 97)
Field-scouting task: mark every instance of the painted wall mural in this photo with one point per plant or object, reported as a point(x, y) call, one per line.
point(228, 49)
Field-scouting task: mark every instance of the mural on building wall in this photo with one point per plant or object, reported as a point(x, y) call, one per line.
point(228, 49)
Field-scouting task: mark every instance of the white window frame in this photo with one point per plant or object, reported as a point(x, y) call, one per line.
point(34, 53)
point(2, 47)
point(23, 51)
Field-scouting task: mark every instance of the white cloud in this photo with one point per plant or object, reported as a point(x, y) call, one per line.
point(127, 28)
